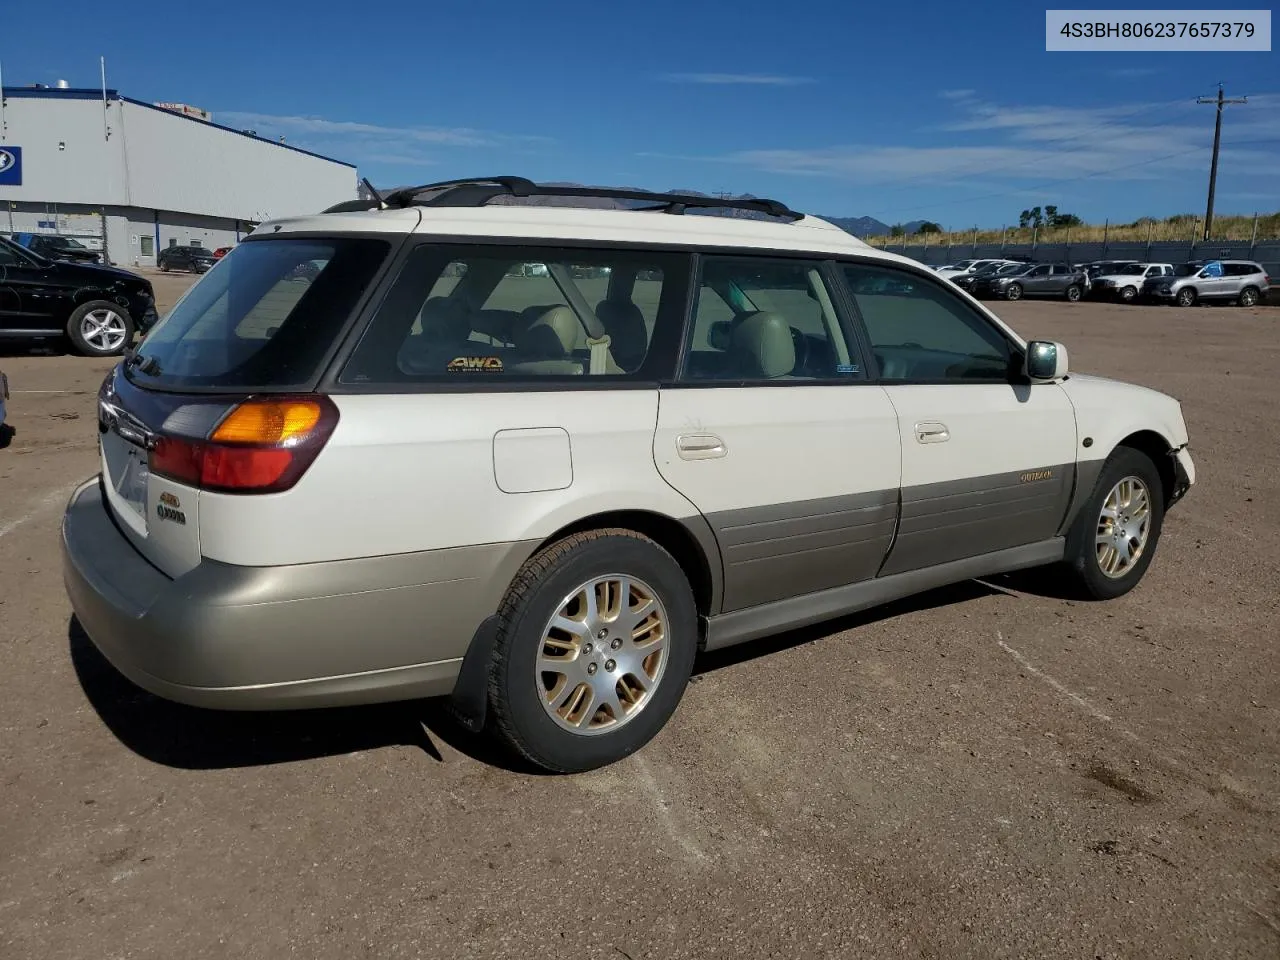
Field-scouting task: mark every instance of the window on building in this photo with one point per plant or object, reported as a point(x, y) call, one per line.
point(148, 245)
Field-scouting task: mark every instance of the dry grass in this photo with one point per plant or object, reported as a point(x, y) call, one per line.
point(1185, 227)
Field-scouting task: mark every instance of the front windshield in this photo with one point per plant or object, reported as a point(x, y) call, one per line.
point(963, 264)
point(1131, 269)
point(1012, 268)
point(1020, 269)
point(1186, 269)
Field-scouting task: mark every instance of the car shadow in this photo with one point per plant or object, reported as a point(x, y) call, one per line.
point(952, 595)
point(193, 738)
point(41, 347)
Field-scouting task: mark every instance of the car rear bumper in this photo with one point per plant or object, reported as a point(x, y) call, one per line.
point(259, 638)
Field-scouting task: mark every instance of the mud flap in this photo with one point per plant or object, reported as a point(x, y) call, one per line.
point(469, 702)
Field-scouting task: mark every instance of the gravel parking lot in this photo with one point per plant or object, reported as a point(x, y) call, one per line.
point(984, 771)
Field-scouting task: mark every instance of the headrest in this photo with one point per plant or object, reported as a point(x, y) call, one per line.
point(762, 346)
point(552, 335)
point(624, 322)
point(445, 319)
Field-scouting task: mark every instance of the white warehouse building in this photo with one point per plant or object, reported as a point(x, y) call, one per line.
point(132, 177)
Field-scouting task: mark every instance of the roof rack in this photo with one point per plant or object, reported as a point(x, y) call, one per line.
point(478, 191)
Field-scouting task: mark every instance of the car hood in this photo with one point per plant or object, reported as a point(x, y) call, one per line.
point(92, 272)
point(1136, 277)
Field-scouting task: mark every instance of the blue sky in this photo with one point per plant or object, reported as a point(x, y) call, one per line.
point(946, 111)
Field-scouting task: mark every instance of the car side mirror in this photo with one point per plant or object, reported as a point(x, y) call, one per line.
point(1046, 361)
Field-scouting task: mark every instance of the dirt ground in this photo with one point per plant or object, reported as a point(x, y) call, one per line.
point(984, 771)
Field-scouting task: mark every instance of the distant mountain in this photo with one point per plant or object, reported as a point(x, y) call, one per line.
point(858, 226)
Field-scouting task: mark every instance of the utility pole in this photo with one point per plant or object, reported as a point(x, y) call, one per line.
point(1221, 102)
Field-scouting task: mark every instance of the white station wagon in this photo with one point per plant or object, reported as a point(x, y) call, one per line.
point(537, 457)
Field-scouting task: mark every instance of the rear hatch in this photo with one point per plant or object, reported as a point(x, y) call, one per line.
point(220, 396)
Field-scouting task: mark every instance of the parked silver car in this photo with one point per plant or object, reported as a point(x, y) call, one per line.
point(1243, 281)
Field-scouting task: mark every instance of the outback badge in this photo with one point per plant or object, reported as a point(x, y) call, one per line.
point(169, 508)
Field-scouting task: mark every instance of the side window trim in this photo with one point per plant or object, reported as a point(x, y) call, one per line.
point(1016, 351)
point(827, 271)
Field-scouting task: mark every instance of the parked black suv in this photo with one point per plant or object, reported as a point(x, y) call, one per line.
point(53, 247)
point(98, 308)
point(1034, 280)
point(195, 259)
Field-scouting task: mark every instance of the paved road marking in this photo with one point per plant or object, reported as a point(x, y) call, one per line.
point(663, 806)
point(57, 496)
point(1060, 687)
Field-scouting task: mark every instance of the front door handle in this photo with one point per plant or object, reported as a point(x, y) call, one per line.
point(700, 446)
point(931, 431)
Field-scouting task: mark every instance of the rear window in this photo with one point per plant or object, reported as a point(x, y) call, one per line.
point(264, 318)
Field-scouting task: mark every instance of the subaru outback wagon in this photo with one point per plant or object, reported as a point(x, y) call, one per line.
point(536, 458)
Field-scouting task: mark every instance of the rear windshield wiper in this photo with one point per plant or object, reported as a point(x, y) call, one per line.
point(149, 366)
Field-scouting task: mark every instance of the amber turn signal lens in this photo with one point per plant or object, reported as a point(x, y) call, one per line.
point(268, 422)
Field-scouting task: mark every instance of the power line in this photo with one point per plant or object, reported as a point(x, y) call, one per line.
point(1221, 102)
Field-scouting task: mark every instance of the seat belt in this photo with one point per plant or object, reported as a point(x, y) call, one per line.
point(597, 338)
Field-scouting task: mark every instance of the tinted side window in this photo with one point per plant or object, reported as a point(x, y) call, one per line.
point(484, 313)
point(766, 319)
point(923, 332)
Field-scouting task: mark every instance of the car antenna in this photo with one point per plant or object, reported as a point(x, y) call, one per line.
point(382, 204)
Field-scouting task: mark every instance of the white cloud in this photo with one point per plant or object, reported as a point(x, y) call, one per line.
point(745, 79)
point(370, 143)
point(1019, 145)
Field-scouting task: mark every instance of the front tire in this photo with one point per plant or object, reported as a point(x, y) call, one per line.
point(1014, 292)
point(595, 645)
point(1186, 297)
point(100, 329)
point(1128, 294)
point(1073, 293)
point(1112, 540)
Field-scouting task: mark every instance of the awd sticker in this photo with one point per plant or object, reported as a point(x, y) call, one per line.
point(475, 365)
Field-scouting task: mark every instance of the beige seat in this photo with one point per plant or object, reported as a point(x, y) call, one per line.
point(546, 346)
point(762, 348)
point(628, 334)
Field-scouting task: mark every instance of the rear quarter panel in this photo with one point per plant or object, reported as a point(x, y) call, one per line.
point(405, 473)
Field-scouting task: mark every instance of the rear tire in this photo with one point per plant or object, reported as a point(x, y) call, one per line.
point(1249, 297)
point(1106, 558)
point(164, 266)
point(569, 700)
point(100, 329)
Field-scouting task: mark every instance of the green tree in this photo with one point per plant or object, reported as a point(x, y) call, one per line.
point(897, 230)
point(1031, 218)
point(928, 227)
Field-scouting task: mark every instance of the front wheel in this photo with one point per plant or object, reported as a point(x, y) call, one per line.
point(1014, 292)
point(1249, 296)
point(596, 642)
point(1112, 540)
point(1073, 293)
point(1186, 297)
point(1128, 294)
point(100, 329)
point(164, 266)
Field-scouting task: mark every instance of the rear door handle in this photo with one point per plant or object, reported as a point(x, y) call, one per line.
point(700, 446)
point(931, 431)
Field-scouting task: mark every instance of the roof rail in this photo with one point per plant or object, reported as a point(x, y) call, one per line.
point(478, 191)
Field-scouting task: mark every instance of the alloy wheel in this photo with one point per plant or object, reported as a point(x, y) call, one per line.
point(1124, 526)
point(104, 330)
point(602, 654)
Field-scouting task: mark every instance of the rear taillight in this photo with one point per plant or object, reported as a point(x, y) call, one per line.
point(262, 445)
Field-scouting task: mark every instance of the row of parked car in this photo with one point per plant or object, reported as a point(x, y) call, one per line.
point(1239, 281)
